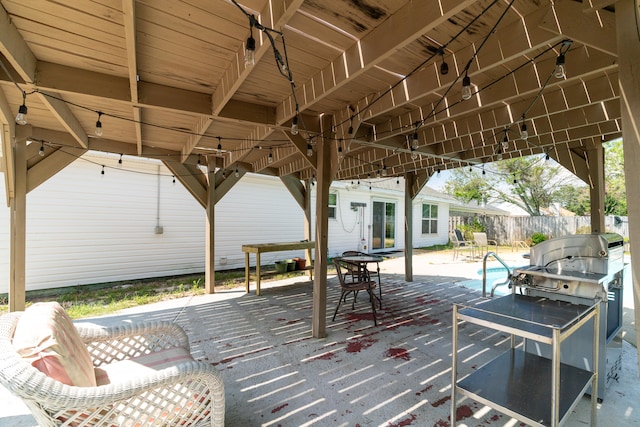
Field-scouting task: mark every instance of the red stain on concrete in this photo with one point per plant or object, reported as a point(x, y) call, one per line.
point(354, 346)
point(279, 408)
point(424, 390)
point(398, 353)
point(442, 423)
point(463, 412)
point(423, 301)
point(406, 422)
point(327, 356)
point(356, 317)
point(441, 402)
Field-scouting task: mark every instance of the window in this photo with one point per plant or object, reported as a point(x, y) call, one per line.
point(429, 219)
point(333, 202)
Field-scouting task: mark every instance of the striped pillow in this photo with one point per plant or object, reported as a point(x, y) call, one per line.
point(46, 337)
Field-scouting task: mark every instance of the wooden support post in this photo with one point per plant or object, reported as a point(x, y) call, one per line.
point(595, 159)
point(409, 182)
point(18, 212)
point(210, 274)
point(629, 79)
point(319, 318)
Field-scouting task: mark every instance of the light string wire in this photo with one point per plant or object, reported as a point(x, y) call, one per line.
point(286, 142)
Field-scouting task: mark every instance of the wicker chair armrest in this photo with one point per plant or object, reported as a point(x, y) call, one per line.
point(124, 341)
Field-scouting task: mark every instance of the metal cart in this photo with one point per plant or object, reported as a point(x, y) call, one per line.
point(535, 390)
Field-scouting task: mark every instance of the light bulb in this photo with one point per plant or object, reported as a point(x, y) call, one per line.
point(237, 173)
point(414, 141)
point(21, 118)
point(41, 151)
point(559, 72)
point(414, 155)
point(309, 150)
point(505, 143)
point(340, 152)
point(466, 88)
point(98, 130)
point(444, 68)
point(219, 148)
point(270, 158)
point(384, 171)
point(523, 132)
point(250, 53)
point(294, 126)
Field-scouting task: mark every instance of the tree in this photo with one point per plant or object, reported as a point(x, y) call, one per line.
point(526, 182)
point(615, 201)
point(573, 198)
point(533, 183)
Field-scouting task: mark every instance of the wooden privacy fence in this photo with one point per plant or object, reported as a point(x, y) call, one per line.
point(506, 229)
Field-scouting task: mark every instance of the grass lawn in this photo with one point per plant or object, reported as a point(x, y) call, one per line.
point(105, 298)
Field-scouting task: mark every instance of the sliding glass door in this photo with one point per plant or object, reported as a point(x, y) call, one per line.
point(384, 225)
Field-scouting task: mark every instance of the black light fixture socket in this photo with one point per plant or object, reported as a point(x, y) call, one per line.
point(444, 68)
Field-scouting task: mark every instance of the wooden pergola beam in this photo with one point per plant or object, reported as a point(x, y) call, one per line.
point(400, 29)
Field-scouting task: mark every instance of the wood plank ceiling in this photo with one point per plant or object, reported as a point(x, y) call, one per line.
point(169, 80)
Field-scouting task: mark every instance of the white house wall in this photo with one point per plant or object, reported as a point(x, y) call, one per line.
point(84, 227)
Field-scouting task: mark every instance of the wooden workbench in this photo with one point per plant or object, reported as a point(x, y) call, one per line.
point(258, 248)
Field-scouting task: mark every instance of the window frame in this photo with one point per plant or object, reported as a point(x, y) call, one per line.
point(431, 221)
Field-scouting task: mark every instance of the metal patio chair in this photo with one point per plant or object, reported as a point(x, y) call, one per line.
point(459, 244)
point(483, 243)
point(354, 287)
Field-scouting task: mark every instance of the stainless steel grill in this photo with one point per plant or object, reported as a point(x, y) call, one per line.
point(581, 269)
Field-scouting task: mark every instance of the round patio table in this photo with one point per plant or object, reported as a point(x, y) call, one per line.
point(361, 261)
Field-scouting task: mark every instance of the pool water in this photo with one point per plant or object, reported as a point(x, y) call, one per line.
point(494, 275)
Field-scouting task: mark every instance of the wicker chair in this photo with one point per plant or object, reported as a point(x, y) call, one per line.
point(187, 394)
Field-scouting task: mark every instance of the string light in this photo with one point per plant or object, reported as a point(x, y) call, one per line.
point(21, 117)
point(199, 163)
point(174, 178)
point(219, 146)
point(120, 161)
point(236, 173)
point(313, 179)
point(414, 141)
point(505, 141)
point(250, 48)
point(340, 154)
point(466, 87)
point(224, 174)
point(102, 173)
point(98, 130)
point(270, 158)
point(41, 151)
point(384, 169)
point(560, 71)
point(294, 125)
point(309, 150)
point(444, 67)
point(523, 130)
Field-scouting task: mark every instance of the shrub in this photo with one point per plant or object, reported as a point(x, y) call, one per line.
point(585, 229)
point(469, 229)
point(537, 238)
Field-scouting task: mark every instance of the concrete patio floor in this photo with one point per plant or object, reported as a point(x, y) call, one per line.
point(395, 374)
